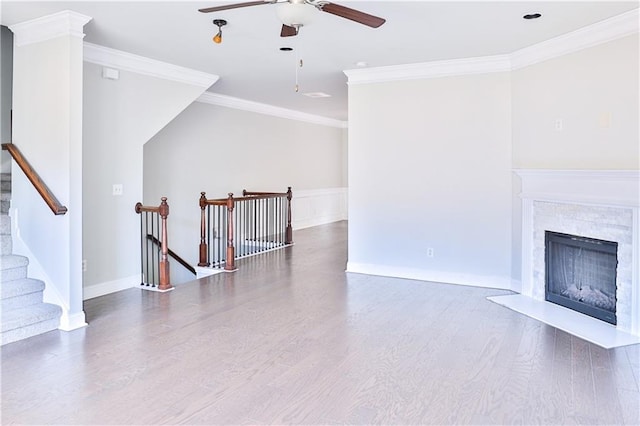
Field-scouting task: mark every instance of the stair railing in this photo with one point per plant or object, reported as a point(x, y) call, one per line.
point(56, 206)
point(173, 255)
point(235, 227)
point(154, 261)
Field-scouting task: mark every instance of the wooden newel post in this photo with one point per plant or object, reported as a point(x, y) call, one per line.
point(289, 232)
point(230, 264)
point(203, 261)
point(165, 281)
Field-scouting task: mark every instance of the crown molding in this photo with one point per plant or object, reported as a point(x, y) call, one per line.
point(616, 27)
point(434, 69)
point(610, 29)
point(125, 61)
point(64, 23)
point(260, 108)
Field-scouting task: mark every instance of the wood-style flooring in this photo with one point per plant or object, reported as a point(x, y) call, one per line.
point(292, 339)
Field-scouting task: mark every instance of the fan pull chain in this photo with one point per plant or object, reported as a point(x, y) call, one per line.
point(299, 64)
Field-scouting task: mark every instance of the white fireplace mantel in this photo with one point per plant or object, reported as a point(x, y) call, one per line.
point(600, 187)
point(581, 200)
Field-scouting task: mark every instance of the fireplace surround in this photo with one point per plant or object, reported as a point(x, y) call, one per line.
point(595, 204)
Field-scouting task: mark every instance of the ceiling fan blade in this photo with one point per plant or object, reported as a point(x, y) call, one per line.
point(288, 31)
point(352, 14)
point(234, 6)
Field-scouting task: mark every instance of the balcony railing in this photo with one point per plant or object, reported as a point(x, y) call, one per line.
point(235, 227)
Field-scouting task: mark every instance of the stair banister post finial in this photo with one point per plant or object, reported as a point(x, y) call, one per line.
point(230, 261)
point(165, 281)
point(203, 232)
point(289, 232)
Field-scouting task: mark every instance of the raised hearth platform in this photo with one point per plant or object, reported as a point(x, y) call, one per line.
point(572, 322)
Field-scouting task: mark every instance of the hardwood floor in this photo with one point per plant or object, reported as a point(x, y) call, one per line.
point(291, 339)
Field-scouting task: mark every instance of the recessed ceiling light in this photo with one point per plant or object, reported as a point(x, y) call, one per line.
point(317, 95)
point(532, 16)
point(361, 64)
point(286, 49)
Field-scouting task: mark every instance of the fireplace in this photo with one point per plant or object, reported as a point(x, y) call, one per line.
point(580, 274)
point(594, 208)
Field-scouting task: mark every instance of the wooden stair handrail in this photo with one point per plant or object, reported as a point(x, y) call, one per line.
point(173, 254)
point(56, 206)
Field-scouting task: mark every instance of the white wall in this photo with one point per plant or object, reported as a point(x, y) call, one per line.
point(582, 89)
point(220, 150)
point(120, 116)
point(430, 167)
point(6, 79)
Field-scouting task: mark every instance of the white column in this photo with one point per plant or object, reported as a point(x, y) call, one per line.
point(47, 128)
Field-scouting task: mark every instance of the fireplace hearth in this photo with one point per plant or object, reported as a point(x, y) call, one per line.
point(580, 274)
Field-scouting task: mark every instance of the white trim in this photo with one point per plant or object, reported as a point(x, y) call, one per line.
point(64, 23)
point(619, 26)
point(616, 27)
point(125, 61)
point(203, 272)
point(72, 322)
point(503, 283)
point(434, 69)
point(314, 207)
point(260, 108)
point(108, 287)
point(602, 187)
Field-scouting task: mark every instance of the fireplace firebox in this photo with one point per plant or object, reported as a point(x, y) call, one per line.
point(581, 274)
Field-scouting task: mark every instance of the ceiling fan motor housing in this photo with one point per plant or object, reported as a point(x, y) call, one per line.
point(295, 13)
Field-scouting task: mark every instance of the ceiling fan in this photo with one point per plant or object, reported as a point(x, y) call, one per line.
point(294, 13)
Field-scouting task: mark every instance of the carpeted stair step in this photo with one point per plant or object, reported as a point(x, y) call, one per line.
point(5, 224)
point(13, 267)
point(5, 202)
point(21, 293)
point(5, 186)
point(5, 182)
point(5, 234)
point(18, 324)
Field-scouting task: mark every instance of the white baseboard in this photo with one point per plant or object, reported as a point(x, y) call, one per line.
point(202, 272)
point(503, 283)
point(318, 207)
point(111, 286)
point(70, 322)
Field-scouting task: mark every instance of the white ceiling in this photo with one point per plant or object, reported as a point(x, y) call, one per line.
point(252, 67)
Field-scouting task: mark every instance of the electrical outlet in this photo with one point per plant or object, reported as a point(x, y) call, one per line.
point(430, 252)
point(84, 265)
point(559, 125)
point(117, 189)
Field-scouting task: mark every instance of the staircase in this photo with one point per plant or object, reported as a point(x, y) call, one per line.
point(23, 312)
